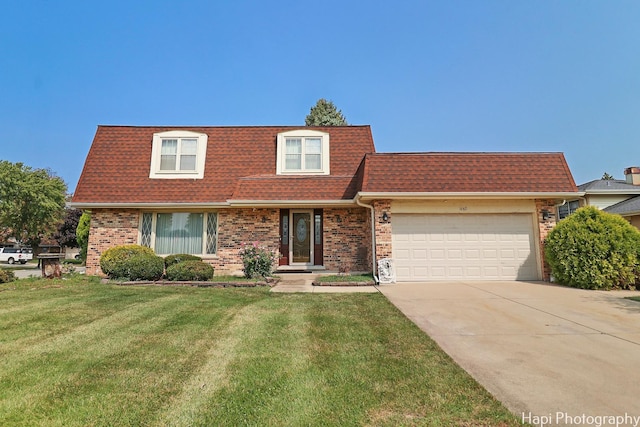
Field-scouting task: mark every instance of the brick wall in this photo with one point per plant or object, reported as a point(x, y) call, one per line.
point(110, 228)
point(383, 229)
point(544, 227)
point(347, 236)
point(243, 226)
point(347, 239)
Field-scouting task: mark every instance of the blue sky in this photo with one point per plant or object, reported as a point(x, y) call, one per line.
point(426, 75)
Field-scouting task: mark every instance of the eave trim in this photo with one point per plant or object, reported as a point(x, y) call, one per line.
point(468, 195)
point(217, 205)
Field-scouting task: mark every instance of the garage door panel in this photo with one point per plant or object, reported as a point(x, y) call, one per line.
point(472, 247)
point(474, 271)
point(507, 254)
point(490, 254)
point(402, 254)
point(491, 272)
point(472, 254)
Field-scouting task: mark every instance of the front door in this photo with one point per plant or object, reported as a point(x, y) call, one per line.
point(300, 235)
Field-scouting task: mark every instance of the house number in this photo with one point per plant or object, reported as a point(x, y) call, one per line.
point(463, 208)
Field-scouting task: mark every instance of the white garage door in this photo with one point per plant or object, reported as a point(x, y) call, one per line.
point(467, 247)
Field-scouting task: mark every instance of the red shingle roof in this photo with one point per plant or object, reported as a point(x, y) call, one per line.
point(296, 188)
point(467, 172)
point(240, 164)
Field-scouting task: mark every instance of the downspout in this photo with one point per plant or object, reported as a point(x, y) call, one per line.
point(373, 237)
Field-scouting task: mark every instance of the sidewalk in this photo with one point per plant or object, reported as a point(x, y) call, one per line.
point(302, 282)
point(32, 270)
point(24, 271)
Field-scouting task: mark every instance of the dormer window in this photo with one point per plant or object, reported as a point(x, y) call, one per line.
point(178, 154)
point(303, 152)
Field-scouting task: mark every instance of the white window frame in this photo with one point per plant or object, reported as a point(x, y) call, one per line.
point(571, 207)
point(206, 217)
point(156, 152)
point(302, 134)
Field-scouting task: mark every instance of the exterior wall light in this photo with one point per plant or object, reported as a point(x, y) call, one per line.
point(385, 217)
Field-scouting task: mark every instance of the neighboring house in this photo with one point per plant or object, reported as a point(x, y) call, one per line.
point(614, 196)
point(630, 208)
point(323, 198)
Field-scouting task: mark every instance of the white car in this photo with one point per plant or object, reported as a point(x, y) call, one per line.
point(13, 255)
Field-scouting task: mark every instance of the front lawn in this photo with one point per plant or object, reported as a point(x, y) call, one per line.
point(76, 352)
point(360, 278)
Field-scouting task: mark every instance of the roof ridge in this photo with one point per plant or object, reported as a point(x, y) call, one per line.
point(475, 153)
point(231, 126)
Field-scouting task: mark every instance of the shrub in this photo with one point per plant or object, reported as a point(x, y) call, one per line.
point(257, 261)
point(592, 249)
point(82, 234)
point(132, 262)
point(145, 267)
point(174, 259)
point(191, 270)
point(7, 276)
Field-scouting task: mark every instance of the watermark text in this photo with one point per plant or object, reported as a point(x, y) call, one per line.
point(563, 418)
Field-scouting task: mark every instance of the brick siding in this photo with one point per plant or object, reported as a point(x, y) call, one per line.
point(544, 227)
point(347, 236)
point(237, 227)
point(347, 239)
point(110, 228)
point(383, 229)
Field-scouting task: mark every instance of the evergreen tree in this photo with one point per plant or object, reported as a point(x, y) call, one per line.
point(607, 177)
point(324, 113)
point(82, 233)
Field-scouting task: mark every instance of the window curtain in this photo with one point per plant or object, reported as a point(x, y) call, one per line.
point(168, 154)
point(179, 233)
point(293, 158)
point(313, 154)
point(188, 154)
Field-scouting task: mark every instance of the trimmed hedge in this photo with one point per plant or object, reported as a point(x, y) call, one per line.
point(190, 271)
point(175, 259)
point(132, 262)
point(592, 249)
point(7, 276)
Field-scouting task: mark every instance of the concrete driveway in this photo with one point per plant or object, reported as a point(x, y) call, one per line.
point(543, 350)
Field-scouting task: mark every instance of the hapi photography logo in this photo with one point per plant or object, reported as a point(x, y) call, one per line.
point(563, 418)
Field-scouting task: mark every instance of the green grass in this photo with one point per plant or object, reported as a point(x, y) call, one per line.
point(634, 298)
point(77, 352)
point(346, 278)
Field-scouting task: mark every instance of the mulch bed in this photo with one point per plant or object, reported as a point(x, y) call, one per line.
point(232, 284)
point(370, 283)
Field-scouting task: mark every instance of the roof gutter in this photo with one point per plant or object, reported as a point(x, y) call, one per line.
point(612, 192)
point(215, 205)
point(373, 237)
point(164, 205)
point(365, 195)
point(288, 203)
